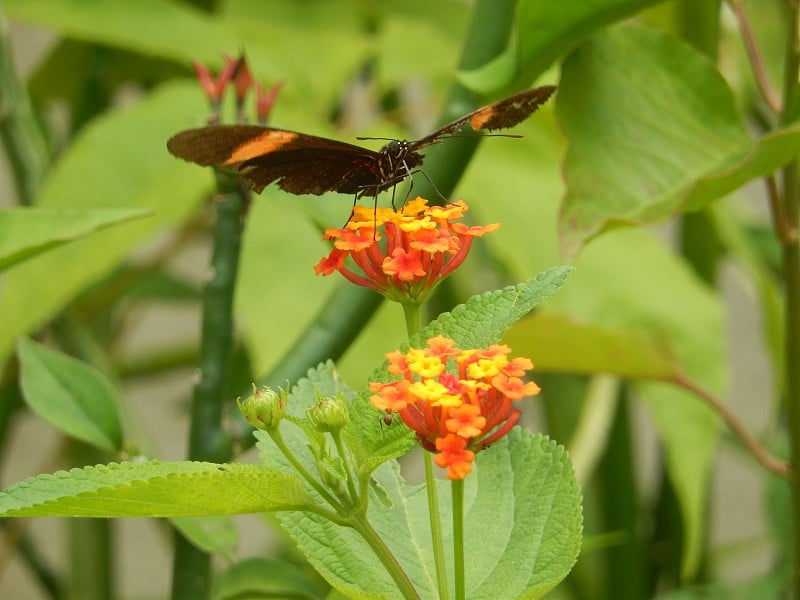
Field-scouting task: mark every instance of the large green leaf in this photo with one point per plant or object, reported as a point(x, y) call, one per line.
point(176, 31)
point(627, 285)
point(577, 347)
point(522, 527)
point(266, 578)
point(626, 281)
point(215, 534)
point(653, 135)
point(26, 232)
point(72, 396)
point(545, 31)
point(154, 489)
point(120, 162)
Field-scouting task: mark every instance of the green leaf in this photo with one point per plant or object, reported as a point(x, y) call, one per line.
point(72, 396)
point(154, 489)
point(627, 281)
point(478, 323)
point(26, 232)
point(119, 162)
point(162, 28)
point(178, 32)
point(482, 320)
point(215, 535)
point(578, 347)
point(265, 578)
point(522, 527)
point(545, 31)
point(651, 136)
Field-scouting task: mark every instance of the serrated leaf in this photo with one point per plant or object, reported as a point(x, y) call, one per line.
point(370, 440)
point(26, 232)
point(154, 489)
point(652, 136)
point(482, 320)
point(265, 578)
point(118, 162)
point(72, 396)
point(215, 535)
point(522, 527)
point(478, 323)
point(308, 445)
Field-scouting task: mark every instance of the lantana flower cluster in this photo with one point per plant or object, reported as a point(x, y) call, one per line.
point(403, 253)
point(457, 401)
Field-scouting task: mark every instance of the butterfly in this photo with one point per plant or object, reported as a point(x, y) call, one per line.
point(307, 164)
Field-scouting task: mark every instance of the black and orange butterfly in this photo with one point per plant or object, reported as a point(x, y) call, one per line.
point(307, 164)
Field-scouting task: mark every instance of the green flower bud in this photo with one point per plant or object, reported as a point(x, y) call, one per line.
point(328, 414)
point(264, 409)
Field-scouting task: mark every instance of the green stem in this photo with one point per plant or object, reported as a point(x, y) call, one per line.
point(386, 557)
point(91, 576)
point(490, 30)
point(412, 312)
point(207, 438)
point(24, 142)
point(327, 337)
point(413, 317)
point(791, 276)
point(277, 438)
point(436, 527)
point(351, 486)
point(457, 489)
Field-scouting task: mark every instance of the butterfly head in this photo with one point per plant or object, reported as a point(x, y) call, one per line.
point(396, 148)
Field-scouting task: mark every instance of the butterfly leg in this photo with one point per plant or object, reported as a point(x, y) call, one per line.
point(433, 185)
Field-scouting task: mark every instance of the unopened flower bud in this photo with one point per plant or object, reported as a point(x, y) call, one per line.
point(329, 413)
point(264, 408)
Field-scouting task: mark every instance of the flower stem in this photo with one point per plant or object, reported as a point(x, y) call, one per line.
point(386, 557)
point(351, 486)
point(277, 438)
point(207, 438)
point(413, 317)
point(412, 312)
point(457, 490)
point(436, 527)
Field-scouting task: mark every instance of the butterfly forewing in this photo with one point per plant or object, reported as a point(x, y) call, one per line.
point(500, 115)
point(301, 163)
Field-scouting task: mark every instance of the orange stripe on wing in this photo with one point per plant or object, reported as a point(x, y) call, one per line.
point(480, 118)
point(267, 142)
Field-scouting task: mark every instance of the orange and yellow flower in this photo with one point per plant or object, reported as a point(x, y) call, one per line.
point(457, 401)
point(404, 253)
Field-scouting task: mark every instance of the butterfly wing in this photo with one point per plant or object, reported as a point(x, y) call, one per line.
point(300, 163)
point(500, 115)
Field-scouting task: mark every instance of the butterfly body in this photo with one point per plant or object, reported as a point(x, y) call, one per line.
point(307, 164)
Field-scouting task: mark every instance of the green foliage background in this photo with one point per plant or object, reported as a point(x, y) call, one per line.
point(644, 129)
